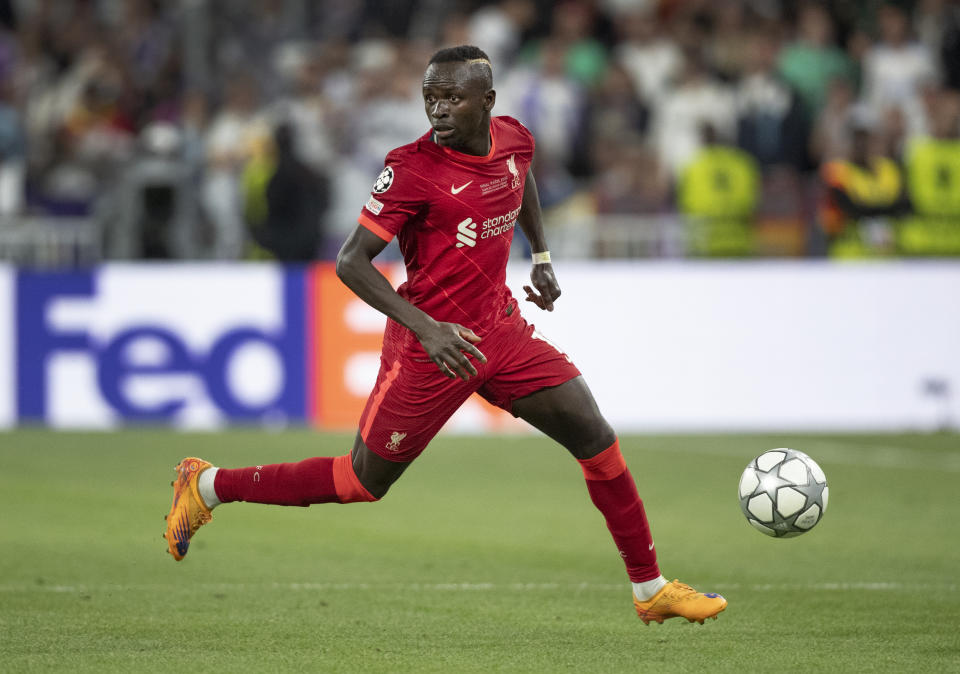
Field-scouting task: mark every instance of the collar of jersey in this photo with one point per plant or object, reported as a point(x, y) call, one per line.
point(462, 156)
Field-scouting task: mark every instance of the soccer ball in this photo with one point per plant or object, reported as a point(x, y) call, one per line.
point(783, 493)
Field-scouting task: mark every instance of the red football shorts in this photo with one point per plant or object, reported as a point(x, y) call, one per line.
point(412, 399)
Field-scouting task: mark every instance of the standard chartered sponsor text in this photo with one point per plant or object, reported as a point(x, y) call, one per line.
point(500, 224)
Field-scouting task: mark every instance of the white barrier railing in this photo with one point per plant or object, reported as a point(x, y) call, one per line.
point(50, 242)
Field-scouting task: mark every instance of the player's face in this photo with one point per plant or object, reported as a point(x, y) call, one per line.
point(458, 99)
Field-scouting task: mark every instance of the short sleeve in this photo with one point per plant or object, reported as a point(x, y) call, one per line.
point(526, 139)
point(394, 199)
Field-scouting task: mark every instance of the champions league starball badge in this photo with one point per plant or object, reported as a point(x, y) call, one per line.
point(384, 181)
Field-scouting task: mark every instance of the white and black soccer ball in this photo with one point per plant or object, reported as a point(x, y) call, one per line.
point(783, 493)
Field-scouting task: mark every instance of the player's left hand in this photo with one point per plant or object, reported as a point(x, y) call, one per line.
point(545, 282)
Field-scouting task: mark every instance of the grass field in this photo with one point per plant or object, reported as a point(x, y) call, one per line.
point(486, 556)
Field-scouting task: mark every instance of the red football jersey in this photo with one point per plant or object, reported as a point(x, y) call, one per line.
point(454, 216)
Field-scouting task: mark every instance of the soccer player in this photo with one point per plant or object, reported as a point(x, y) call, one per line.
point(452, 197)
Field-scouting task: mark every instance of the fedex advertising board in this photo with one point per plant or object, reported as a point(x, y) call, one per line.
point(190, 345)
point(675, 347)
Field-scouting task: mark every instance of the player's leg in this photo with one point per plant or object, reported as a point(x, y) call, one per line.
point(358, 476)
point(569, 414)
point(539, 383)
point(408, 405)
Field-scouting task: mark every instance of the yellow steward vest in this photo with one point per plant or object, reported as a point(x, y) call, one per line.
point(718, 193)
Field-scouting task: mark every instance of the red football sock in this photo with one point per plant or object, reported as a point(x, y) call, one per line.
point(614, 493)
point(323, 479)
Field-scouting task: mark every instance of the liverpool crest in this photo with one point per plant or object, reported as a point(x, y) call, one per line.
point(395, 439)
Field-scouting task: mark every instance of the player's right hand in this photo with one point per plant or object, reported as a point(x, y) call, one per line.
point(447, 345)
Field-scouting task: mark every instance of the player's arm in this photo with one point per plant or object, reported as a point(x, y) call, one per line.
point(531, 222)
point(445, 343)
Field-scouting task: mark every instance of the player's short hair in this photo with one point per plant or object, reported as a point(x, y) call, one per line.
point(464, 53)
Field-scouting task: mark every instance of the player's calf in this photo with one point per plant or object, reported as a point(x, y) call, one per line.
point(200, 487)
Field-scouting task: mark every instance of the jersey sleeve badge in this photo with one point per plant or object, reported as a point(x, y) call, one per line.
point(374, 206)
point(384, 180)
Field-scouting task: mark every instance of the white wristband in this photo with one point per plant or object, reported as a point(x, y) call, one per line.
point(542, 258)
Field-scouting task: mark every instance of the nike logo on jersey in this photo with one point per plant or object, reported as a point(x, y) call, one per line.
point(467, 232)
point(458, 190)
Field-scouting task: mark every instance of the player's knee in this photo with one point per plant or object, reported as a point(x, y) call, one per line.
point(600, 437)
point(377, 484)
point(370, 474)
point(590, 434)
point(349, 487)
point(375, 492)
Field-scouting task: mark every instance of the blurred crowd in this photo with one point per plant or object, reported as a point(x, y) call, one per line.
point(235, 129)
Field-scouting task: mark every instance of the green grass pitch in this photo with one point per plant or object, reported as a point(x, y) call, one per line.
point(486, 556)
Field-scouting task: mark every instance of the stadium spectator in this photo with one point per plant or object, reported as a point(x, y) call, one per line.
point(573, 24)
point(728, 43)
point(296, 199)
point(552, 104)
point(32, 78)
point(100, 122)
point(303, 107)
point(770, 122)
point(895, 68)
point(697, 99)
point(646, 52)
point(387, 104)
point(145, 43)
point(614, 107)
point(231, 138)
point(12, 153)
point(501, 27)
point(812, 61)
point(247, 36)
point(385, 107)
point(627, 179)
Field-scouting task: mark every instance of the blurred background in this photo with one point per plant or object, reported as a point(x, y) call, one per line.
point(253, 129)
point(704, 167)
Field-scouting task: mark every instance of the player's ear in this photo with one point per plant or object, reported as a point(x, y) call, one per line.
point(489, 99)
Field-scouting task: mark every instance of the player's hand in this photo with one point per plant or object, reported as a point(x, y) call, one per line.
point(545, 282)
point(447, 345)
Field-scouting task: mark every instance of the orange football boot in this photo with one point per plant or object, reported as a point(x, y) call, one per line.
point(679, 600)
point(188, 511)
